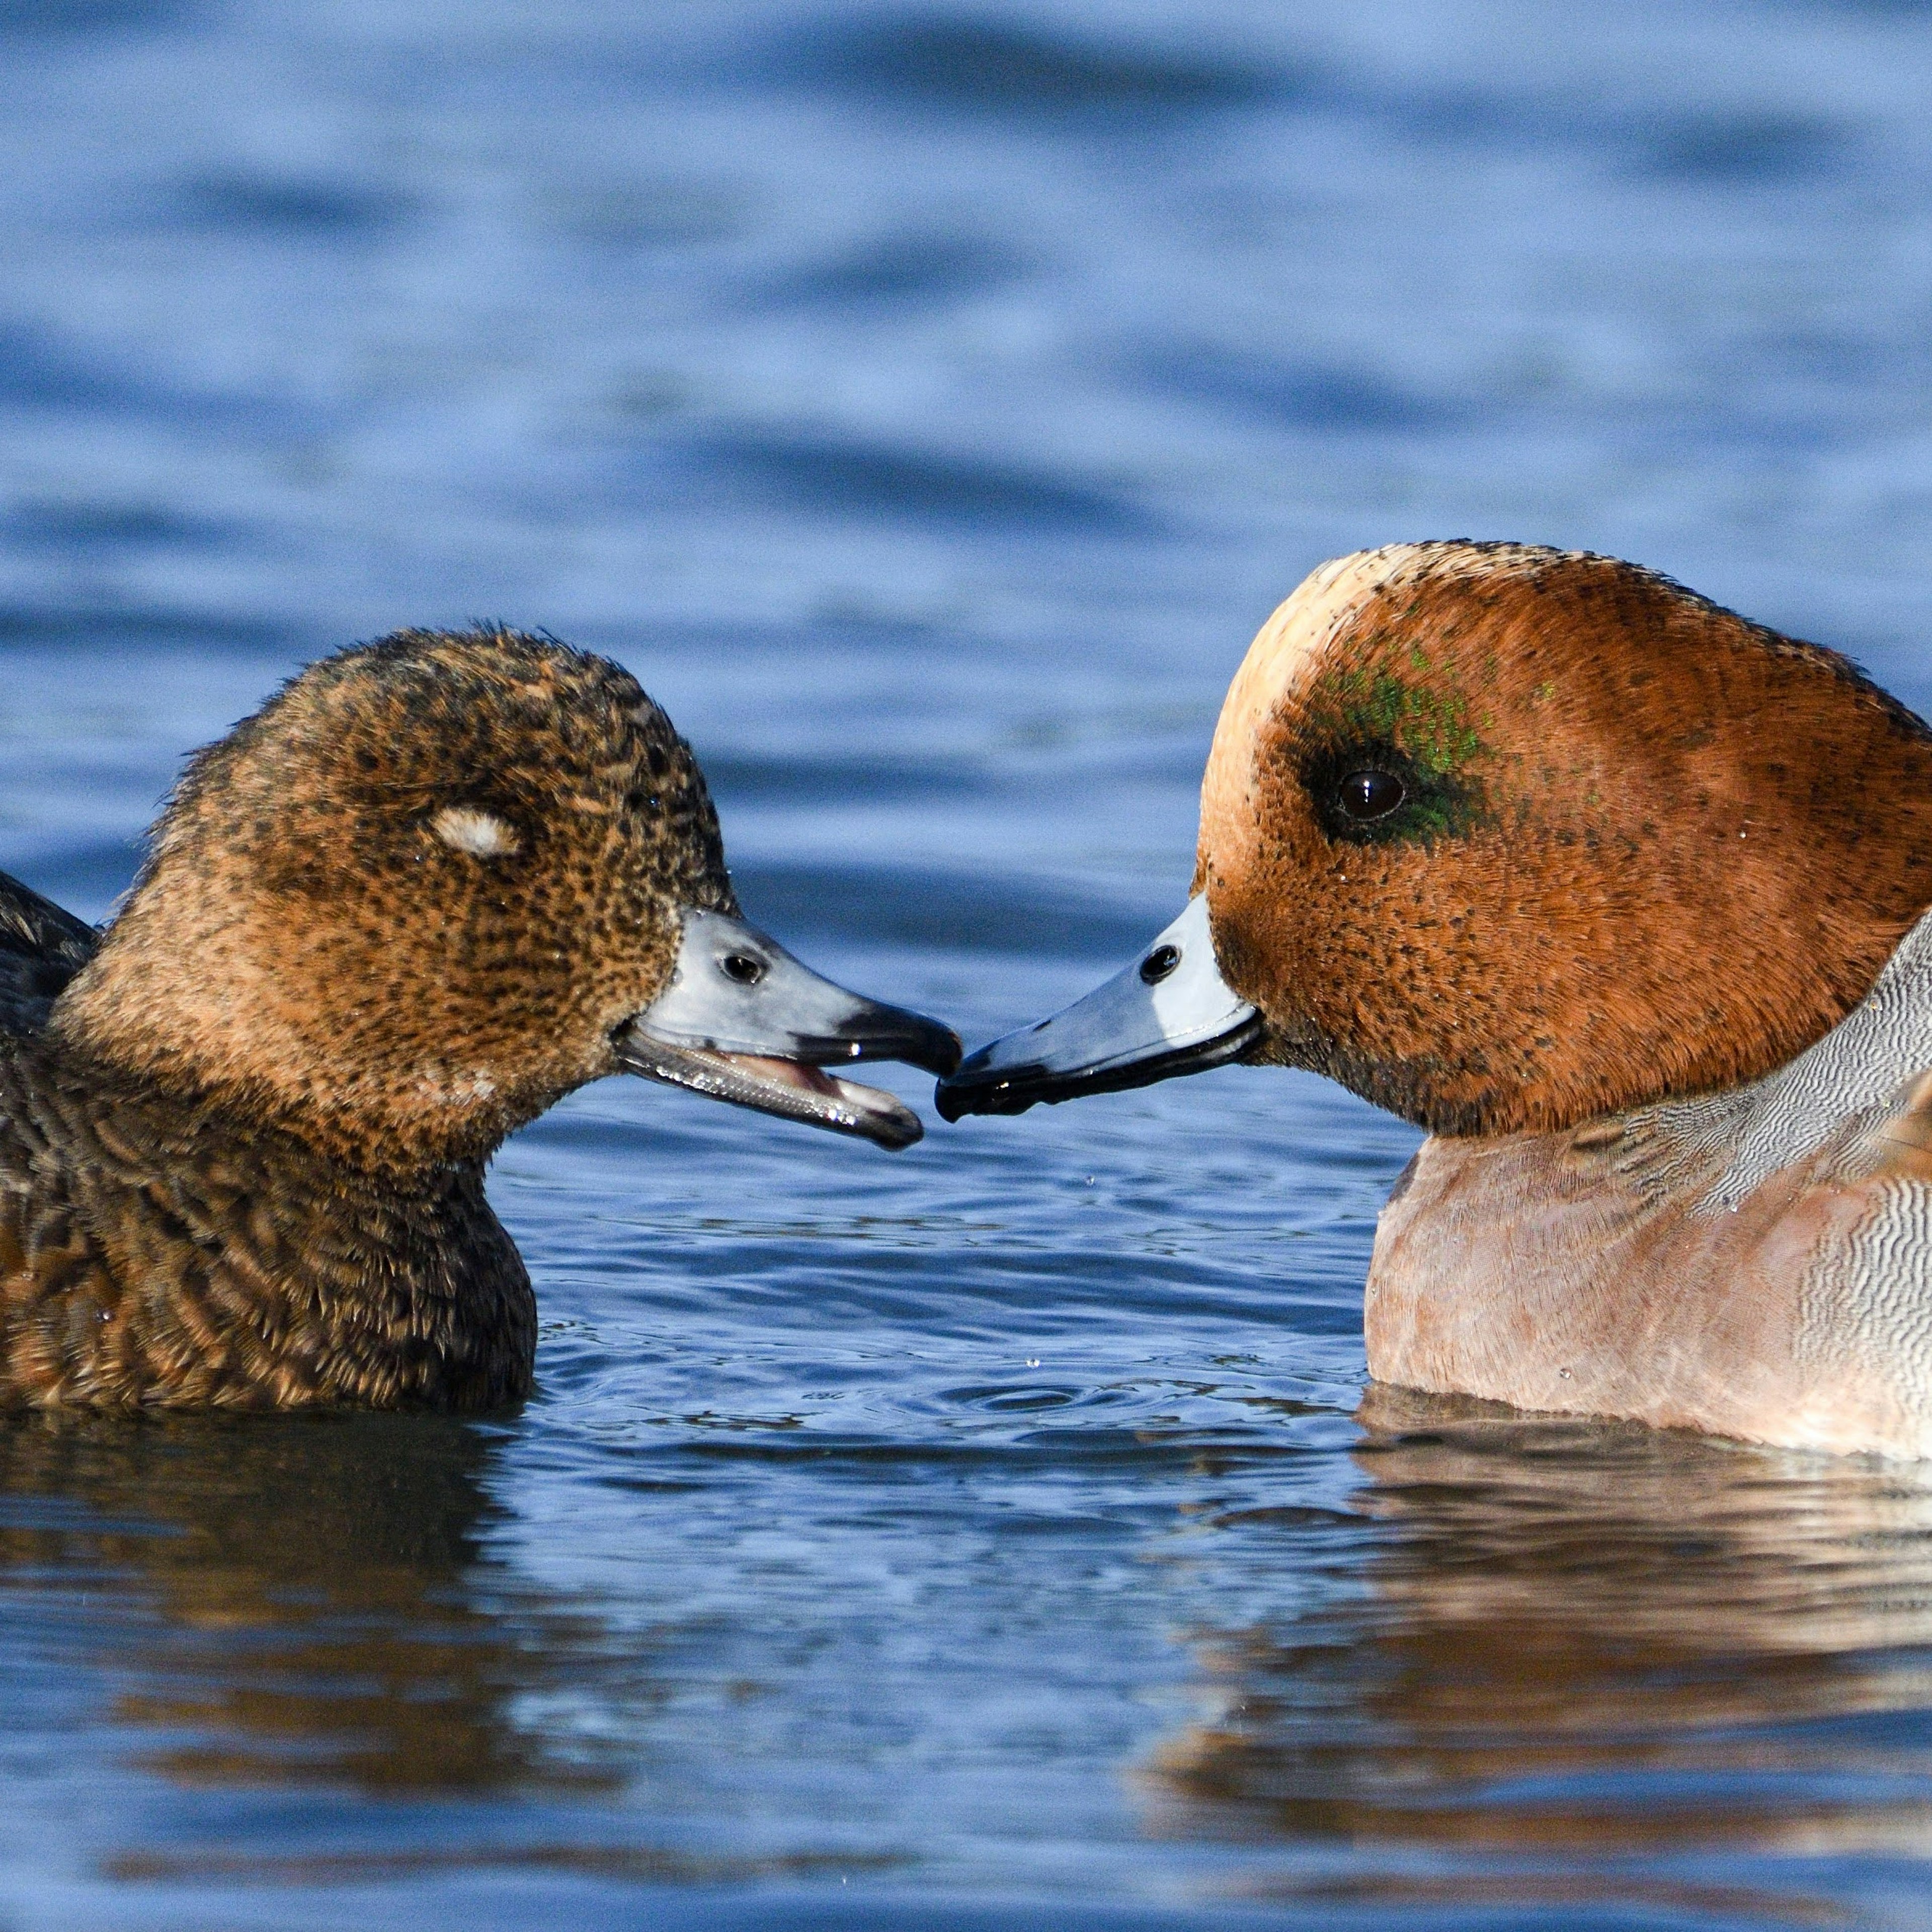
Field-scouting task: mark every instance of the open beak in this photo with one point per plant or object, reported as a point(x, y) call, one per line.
point(1169, 1012)
point(742, 1020)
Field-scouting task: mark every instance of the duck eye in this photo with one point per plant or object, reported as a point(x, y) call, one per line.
point(1370, 794)
point(1161, 961)
point(742, 968)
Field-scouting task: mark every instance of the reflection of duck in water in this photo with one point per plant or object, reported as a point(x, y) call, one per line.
point(327, 1609)
point(1552, 1643)
point(1618, 895)
point(305, 1603)
point(429, 889)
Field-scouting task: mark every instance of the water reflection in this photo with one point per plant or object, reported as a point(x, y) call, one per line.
point(1578, 1647)
point(278, 1600)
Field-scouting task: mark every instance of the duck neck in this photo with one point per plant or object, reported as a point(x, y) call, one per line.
point(222, 1055)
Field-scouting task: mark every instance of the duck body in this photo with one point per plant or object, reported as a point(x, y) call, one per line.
point(161, 1250)
point(1623, 898)
point(435, 884)
point(1756, 1262)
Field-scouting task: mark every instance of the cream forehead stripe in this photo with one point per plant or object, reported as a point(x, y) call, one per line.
point(481, 833)
point(1292, 638)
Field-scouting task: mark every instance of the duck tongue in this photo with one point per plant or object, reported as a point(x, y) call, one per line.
point(789, 1088)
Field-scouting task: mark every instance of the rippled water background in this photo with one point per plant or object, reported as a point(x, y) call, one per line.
point(928, 404)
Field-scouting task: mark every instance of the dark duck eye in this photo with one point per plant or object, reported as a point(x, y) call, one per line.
point(1367, 795)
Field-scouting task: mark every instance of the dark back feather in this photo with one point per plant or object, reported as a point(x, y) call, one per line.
point(41, 948)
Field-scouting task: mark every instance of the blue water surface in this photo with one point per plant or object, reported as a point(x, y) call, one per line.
point(928, 401)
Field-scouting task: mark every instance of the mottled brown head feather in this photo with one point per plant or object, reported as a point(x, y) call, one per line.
point(400, 909)
point(1646, 847)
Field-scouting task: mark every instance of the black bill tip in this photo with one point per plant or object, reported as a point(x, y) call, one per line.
point(975, 1088)
point(888, 1033)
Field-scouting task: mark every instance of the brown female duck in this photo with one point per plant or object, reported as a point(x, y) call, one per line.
point(1621, 897)
point(434, 885)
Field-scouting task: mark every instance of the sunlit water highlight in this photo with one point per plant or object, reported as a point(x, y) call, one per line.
point(928, 404)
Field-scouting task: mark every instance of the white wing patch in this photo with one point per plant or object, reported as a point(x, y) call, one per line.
point(481, 834)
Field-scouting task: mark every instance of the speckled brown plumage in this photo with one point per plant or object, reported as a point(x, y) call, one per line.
point(241, 1164)
point(301, 941)
point(156, 1248)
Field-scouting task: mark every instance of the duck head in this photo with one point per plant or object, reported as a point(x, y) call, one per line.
point(438, 882)
point(1505, 838)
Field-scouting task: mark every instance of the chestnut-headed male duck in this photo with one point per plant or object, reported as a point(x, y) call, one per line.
point(431, 887)
point(1619, 895)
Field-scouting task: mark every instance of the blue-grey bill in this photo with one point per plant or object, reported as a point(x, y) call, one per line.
point(742, 1020)
point(1170, 1012)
